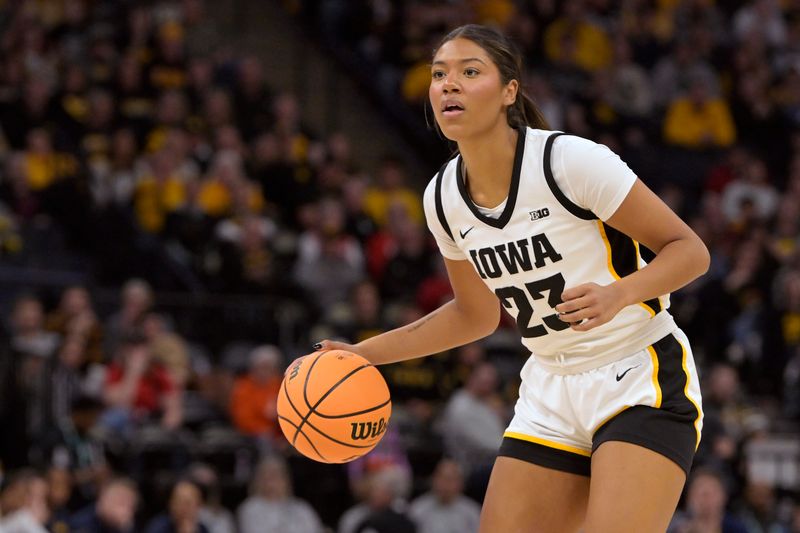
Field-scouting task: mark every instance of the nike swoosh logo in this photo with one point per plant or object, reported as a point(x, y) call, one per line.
point(620, 376)
point(464, 233)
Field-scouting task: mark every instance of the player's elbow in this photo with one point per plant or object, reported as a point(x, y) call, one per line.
point(703, 257)
point(486, 320)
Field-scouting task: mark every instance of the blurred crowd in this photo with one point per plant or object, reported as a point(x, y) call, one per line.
point(143, 157)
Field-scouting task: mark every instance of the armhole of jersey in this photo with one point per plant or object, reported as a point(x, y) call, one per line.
point(568, 204)
point(439, 206)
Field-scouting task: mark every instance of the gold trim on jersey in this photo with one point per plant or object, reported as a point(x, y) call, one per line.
point(656, 386)
point(548, 443)
point(686, 392)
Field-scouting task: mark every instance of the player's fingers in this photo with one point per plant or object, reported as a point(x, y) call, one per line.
point(576, 292)
point(572, 305)
point(576, 316)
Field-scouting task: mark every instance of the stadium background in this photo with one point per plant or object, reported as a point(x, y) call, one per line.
point(193, 192)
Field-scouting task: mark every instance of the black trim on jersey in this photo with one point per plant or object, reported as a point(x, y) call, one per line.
point(438, 197)
point(568, 204)
point(538, 454)
point(503, 219)
point(625, 260)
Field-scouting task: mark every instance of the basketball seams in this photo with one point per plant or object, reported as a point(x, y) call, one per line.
point(296, 410)
point(308, 376)
point(304, 435)
point(346, 415)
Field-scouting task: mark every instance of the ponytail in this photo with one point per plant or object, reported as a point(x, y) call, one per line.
point(524, 112)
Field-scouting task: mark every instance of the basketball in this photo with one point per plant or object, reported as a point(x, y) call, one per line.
point(333, 406)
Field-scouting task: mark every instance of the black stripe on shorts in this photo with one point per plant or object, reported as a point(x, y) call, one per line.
point(539, 454)
point(668, 429)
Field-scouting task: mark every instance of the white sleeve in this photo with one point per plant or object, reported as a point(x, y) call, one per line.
point(591, 175)
point(447, 246)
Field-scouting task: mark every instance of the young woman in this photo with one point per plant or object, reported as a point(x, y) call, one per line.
point(550, 226)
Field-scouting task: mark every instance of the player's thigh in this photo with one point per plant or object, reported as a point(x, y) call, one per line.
point(633, 489)
point(526, 498)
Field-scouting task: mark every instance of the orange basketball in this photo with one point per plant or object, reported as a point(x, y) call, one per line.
point(333, 406)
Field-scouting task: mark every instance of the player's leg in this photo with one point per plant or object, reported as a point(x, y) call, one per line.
point(526, 497)
point(633, 489)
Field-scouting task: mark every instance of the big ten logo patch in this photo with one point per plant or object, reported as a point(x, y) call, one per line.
point(536, 214)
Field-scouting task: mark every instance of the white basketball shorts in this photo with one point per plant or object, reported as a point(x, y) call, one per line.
point(651, 398)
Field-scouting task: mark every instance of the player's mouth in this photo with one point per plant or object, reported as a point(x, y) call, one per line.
point(452, 108)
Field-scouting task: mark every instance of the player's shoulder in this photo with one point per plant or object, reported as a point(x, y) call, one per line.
point(446, 167)
point(575, 147)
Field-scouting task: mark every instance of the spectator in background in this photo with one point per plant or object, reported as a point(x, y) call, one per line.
point(219, 189)
point(271, 508)
point(213, 514)
point(169, 349)
point(253, 98)
point(574, 38)
point(382, 508)
point(74, 445)
point(32, 351)
point(674, 73)
point(362, 318)
point(391, 188)
point(137, 299)
point(329, 262)
point(60, 498)
point(761, 19)
point(28, 334)
point(75, 317)
point(30, 512)
point(139, 389)
point(473, 421)
point(757, 510)
point(71, 376)
point(699, 121)
point(706, 498)
point(750, 190)
point(159, 192)
point(183, 514)
point(254, 398)
point(445, 509)
point(114, 511)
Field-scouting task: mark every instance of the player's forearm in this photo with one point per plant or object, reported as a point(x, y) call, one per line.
point(446, 327)
point(677, 264)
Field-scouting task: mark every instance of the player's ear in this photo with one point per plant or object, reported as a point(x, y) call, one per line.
point(510, 92)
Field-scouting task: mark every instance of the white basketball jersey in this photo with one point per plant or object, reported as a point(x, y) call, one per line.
point(544, 241)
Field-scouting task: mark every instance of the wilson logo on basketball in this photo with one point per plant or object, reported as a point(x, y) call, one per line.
point(295, 370)
point(367, 430)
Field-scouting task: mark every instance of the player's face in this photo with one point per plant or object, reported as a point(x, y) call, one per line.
point(466, 92)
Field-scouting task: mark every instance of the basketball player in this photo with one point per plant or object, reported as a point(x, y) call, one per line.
point(549, 225)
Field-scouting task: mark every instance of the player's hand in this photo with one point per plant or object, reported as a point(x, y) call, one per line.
point(323, 346)
point(590, 305)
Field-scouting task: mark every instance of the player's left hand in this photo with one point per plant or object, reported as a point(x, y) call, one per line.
point(590, 305)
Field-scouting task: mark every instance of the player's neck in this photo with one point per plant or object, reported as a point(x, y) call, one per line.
point(489, 164)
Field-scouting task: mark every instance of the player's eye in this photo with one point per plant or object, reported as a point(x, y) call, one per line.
point(471, 72)
point(437, 74)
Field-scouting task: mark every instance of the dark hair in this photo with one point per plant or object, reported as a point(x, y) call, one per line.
point(507, 57)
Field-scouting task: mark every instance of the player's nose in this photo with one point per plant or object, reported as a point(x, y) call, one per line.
point(449, 86)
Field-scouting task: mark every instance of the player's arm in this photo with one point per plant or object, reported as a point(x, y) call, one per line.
point(473, 314)
point(681, 257)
